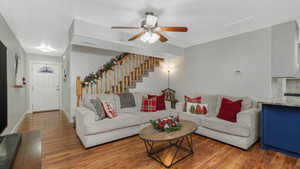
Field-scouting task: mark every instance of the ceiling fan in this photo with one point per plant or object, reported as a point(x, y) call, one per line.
point(150, 29)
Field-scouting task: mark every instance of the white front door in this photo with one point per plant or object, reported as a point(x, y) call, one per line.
point(45, 87)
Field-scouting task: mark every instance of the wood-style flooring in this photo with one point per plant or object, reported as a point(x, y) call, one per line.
point(62, 150)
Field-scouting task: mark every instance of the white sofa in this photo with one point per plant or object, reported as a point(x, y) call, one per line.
point(242, 134)
point(130, 120)
point(128, 123)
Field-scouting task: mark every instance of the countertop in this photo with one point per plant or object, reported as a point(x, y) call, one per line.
point(282, 101)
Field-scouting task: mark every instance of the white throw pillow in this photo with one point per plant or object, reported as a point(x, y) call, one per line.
point(197, 108)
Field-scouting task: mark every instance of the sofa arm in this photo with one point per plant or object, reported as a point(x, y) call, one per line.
point(249, 118)
point(84, 116)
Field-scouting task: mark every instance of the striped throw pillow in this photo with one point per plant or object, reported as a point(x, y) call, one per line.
point(109, 110)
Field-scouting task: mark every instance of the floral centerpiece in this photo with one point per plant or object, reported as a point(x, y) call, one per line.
point(167, 124)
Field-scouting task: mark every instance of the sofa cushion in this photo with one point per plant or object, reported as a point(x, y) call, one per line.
point(145, 117)
point(197, 118)
point(138, 96)
point(106, 125)
point(86, 102)
point(211, 101)
point(126, 100)
point(227, 127)
point(110, 98)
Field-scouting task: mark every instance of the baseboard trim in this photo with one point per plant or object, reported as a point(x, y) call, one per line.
point(68, 117)
point(14, 130)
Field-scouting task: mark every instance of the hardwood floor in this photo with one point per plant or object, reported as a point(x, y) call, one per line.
point(63, 150)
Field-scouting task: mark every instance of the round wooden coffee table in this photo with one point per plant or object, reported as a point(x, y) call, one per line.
point(174, 139)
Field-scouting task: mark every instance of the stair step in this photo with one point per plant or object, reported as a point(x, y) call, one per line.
point(146, 74)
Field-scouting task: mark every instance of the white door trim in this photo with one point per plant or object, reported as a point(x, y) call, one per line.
point(29, 83)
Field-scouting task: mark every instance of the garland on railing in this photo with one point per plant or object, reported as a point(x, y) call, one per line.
point(93, 77)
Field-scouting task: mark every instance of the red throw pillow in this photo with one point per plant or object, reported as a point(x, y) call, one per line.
point(191, 100)
point(109, 110)
point(149, 105)
point(229, 109)
point(161, 105)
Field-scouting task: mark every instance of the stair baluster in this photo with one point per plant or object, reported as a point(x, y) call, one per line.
point(100, 85)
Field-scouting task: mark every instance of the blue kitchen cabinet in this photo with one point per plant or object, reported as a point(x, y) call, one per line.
point(281, 129)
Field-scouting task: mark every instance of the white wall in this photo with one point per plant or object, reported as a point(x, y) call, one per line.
point(158, 80)
point(66, 93)
point(210, 68)
point(44, 58)
point(17, 98)
point(84, 60)
point(155, 82)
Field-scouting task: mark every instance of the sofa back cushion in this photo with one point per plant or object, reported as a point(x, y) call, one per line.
point(138, 96)
point(211, 101)
point(108, 98)
point(93, 103)
point(126, 100)
point(86, 101)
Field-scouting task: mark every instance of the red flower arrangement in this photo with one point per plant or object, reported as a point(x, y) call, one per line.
point(167, 124)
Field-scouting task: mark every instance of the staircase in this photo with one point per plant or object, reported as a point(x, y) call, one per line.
point(122, 76)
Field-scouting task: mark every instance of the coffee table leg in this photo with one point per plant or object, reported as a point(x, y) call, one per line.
point(177, 148)
point(149, 146)
point(178, 144)
point(190, 142)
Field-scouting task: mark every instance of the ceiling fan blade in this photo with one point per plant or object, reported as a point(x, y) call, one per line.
point(136, 36)
point(124, 27)
point(173, 29)
point(162, 38)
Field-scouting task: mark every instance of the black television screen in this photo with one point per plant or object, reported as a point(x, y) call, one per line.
point(3, 87)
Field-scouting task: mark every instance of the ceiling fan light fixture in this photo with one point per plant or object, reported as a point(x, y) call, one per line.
point(149, 37)
point(145, 37)
point(150, 31)
point(153, 38)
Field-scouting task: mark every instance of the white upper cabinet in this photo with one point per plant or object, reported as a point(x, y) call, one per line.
point(284, 49)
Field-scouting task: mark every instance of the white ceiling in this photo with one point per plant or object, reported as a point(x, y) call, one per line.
point(47, 21)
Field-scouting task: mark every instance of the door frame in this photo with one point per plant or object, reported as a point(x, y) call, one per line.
point(30, 78)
